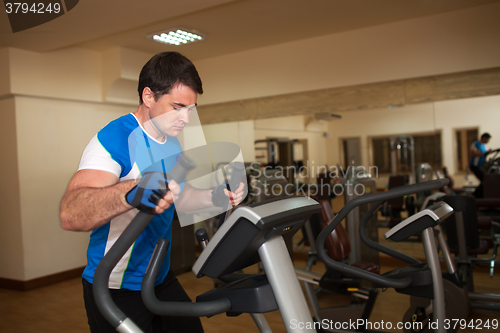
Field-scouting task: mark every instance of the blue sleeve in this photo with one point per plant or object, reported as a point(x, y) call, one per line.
point(115, 140)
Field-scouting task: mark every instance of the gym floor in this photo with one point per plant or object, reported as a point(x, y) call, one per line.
point(59, 307)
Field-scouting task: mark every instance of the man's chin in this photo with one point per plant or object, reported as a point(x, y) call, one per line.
point(174, 133)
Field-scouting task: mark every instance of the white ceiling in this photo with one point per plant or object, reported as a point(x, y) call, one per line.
point(230, 25)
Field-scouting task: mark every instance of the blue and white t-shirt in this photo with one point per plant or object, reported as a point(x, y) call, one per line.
point(124, 148)
point(480, 148)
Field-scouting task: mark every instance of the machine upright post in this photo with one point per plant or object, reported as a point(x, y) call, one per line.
point(287, 291)
point(448, 261)
point(437, 279)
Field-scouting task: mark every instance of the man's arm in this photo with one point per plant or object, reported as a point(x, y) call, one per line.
point(193, 199)
point(475, 151)
point(94, 197)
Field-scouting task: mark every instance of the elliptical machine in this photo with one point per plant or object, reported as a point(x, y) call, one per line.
point(249, 235)
point(421, 308)
point(362, 299)
point(462, 232)
point(417, 278)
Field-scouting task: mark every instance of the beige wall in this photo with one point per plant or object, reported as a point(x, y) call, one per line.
point(453, 42)
point(11, 240)
point(5, 71)
point(51, 137)
point(62, 98)
point(70, 74)
point(240, 133)
point(445, 116)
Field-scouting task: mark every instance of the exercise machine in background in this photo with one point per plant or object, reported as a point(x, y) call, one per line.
point(333, 283)
point(417, 278)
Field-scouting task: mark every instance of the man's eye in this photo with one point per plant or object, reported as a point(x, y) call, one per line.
point(189, 109)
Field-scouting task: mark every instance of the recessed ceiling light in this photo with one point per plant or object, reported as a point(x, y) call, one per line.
point(176, 36)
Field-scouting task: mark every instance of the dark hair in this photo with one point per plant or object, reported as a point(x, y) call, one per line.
point(486, 136)
point(165, 70)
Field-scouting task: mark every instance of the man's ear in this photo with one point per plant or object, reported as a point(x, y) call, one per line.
point(148, 97)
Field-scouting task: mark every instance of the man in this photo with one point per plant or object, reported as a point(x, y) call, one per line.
point(102, 195)
point(478, 153)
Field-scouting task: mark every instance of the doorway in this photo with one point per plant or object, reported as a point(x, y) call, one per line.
point(352, 152)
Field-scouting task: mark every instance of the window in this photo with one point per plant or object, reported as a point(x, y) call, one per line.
point(427, 149)
point(382, 154)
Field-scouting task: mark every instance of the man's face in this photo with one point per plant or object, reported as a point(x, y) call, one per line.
point(485, 140)
point(171, 112)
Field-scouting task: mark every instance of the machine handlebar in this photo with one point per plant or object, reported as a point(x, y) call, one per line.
point(185, 309)
point(366, 199)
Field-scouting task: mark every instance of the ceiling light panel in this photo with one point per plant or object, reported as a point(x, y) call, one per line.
point(176, 36)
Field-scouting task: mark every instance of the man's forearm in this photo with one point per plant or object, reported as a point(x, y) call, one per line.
point(193, 199)
point(476, 153)
point(85, 209)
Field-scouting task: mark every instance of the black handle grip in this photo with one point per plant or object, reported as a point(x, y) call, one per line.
point(180, 169)
point(202, 238)
point(237, 176)
point(184, 309)
point(370, 198)
point(101, 277)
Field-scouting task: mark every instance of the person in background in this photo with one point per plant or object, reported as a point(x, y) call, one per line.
point(478, 154)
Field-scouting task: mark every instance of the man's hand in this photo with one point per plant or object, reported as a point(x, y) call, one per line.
point(172, 195)
point(221, 194)
point(154, 194)
point(236, 197)
point(491, 151)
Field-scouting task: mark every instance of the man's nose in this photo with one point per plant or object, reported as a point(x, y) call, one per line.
point(184, 116)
